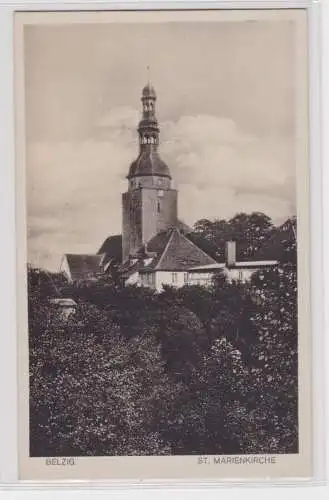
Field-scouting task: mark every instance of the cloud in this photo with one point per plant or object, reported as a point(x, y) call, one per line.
point(74, 188)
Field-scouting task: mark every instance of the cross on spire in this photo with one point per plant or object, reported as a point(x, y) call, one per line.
point(148, 74)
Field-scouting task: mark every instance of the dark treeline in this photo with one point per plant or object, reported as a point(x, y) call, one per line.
point(187, 371)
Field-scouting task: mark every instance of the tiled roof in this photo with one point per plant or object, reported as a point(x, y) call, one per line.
point(174, 251)
point(84, 266)
point(112, 249)
point(149, 163)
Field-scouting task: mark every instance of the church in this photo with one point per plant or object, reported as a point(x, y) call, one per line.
point(156, 248)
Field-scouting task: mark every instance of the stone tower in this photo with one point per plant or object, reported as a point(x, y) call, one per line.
point(150, 204)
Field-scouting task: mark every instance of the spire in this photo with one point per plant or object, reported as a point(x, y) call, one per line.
point(148, 161)
point(148, 126)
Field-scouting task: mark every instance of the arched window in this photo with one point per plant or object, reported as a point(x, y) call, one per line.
point(158, 206)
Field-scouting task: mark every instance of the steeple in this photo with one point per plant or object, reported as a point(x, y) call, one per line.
point(148, 126)
point(148, 162)
point(150, 204)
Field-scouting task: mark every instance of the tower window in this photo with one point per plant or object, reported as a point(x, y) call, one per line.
point(158, 207)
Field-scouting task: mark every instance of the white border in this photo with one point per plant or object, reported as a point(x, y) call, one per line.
point(8, 368)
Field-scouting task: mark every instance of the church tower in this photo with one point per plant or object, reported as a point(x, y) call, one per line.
point(150, 204)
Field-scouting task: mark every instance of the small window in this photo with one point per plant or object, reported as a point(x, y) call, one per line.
point(240, 278)
point(174, 277)
point(158, 207)
point(185, 277)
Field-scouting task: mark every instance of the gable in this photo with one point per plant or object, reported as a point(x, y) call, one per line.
point(182, 254)
point(82, 267)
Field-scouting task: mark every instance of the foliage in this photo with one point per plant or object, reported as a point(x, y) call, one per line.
point(95, 393)
point(248, 231)
point(192, 370)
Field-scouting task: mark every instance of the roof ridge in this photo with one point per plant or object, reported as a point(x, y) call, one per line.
point(165, 248)
point(199, 248)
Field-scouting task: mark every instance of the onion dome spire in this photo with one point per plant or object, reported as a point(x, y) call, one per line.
point(148, 162)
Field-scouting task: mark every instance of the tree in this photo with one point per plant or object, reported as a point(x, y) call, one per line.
point(189, 370)
point(94, 393)
point(275, 354)
point(249, 231)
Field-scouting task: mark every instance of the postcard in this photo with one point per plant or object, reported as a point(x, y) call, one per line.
point(163, 245)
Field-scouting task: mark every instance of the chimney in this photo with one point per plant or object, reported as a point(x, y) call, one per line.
point(230, 254)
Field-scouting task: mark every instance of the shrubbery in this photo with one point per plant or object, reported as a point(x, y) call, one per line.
point(187, 371)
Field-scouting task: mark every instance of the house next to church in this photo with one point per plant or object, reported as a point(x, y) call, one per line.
point(156, 248)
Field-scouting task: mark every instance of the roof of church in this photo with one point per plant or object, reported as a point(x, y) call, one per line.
point(112, 246)
point(82, 266)
point(174, 251)
point(149, 163)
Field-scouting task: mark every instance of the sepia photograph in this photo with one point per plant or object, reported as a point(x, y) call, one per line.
point(164, 183)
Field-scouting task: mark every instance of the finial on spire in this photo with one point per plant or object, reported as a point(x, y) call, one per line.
point(148, 74)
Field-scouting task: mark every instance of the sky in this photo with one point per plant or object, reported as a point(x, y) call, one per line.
point(225, 106)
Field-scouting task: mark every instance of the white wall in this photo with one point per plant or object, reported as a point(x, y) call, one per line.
point(242, 274)
point(176, 279)
point(64, 268)
point(198, 278)
point(133, 279)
